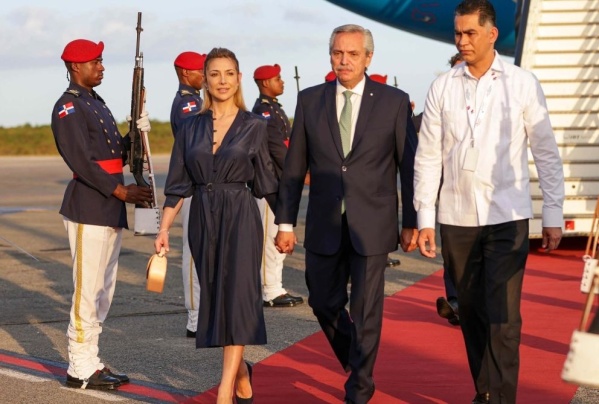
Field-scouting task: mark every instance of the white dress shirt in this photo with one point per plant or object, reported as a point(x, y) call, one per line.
point(496, 190)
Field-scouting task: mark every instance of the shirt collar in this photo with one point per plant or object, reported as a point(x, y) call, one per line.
point(497, 66)
point(188, 88)
point(358, 89)
point(271, 99)
point(82, 90)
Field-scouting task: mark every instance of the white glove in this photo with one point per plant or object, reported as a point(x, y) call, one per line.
point(143, 123)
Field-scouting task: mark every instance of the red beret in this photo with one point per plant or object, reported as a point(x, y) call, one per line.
point(330, 76)
point(82, 50)
point(190, 61)
point(266, 72)
point(378, 78)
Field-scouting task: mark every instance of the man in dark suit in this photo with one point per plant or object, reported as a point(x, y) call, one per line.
point(352, 134)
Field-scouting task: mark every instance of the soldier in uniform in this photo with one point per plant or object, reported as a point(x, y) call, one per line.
point(271, 85)
point(189, 67)
point(93, 207)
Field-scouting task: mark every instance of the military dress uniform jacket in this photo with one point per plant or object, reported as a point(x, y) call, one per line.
point(88, 140)
point(187, 103)
point(278, 127)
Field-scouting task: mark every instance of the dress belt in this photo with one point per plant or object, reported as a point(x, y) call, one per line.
point(222, 185)
point(206, 192)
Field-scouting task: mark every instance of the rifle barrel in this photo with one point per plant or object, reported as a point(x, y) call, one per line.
point(297, 77)
point(138, 29)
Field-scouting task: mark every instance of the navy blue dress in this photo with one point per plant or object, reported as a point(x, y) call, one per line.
point(225, 230)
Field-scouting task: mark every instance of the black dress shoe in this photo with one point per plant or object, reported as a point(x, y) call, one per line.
point(481, 398)
point(190, 334)
point(448, 309)
point(297, 299)
point(249, 400)
point(97, 381)
point(285, 300)
point(392, 262)
point(123, 378)
point(370, 394)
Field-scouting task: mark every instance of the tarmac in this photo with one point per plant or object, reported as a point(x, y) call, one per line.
point(144, 334)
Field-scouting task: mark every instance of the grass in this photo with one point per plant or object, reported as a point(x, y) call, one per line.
point(27, 140)
point(30, 140)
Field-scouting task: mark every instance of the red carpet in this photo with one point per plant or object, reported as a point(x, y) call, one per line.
point(422, 358)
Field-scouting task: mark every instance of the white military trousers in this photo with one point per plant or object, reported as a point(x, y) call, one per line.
point(95, 252)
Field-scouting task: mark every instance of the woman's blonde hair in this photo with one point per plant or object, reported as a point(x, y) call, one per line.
point(216, 53)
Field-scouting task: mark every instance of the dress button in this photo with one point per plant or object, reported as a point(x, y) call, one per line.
point(343, 168)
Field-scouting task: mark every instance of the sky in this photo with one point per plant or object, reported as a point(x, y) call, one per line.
point(292, 33)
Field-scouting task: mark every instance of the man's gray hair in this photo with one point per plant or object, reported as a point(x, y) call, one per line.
point(351, 28)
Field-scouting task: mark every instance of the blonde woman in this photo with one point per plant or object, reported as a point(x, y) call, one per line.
point(221, 158)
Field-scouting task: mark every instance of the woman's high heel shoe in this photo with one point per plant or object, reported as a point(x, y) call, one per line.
point(249, 400)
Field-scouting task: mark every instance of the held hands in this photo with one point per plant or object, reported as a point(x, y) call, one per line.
point(134, 194)
point(285, 242)
point(427, 235)
point(143, 123)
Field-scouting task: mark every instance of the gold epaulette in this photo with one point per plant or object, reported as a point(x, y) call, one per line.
point(74, 92)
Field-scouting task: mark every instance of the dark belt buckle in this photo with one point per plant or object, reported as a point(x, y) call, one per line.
point(209, 187)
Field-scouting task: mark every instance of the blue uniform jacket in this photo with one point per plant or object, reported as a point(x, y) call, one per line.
point(279, 129)
point(187, 103)
point(86, 135)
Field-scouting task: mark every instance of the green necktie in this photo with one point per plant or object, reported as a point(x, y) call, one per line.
point(345, 128)
point(345, 123)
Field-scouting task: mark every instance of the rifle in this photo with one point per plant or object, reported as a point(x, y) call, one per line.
point(297, 77)
point(136, 154)
point(147, 220)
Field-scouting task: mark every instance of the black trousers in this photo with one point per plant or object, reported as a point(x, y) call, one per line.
point(450, 291)
point(354, 336)
point(487, 266)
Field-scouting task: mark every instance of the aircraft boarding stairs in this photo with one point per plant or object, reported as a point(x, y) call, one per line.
point(560, 45)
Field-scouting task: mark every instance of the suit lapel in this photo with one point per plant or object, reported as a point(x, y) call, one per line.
point(330, 103)
point(363, 115)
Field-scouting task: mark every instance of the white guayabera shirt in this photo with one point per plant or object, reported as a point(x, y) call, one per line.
point(496, 116)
